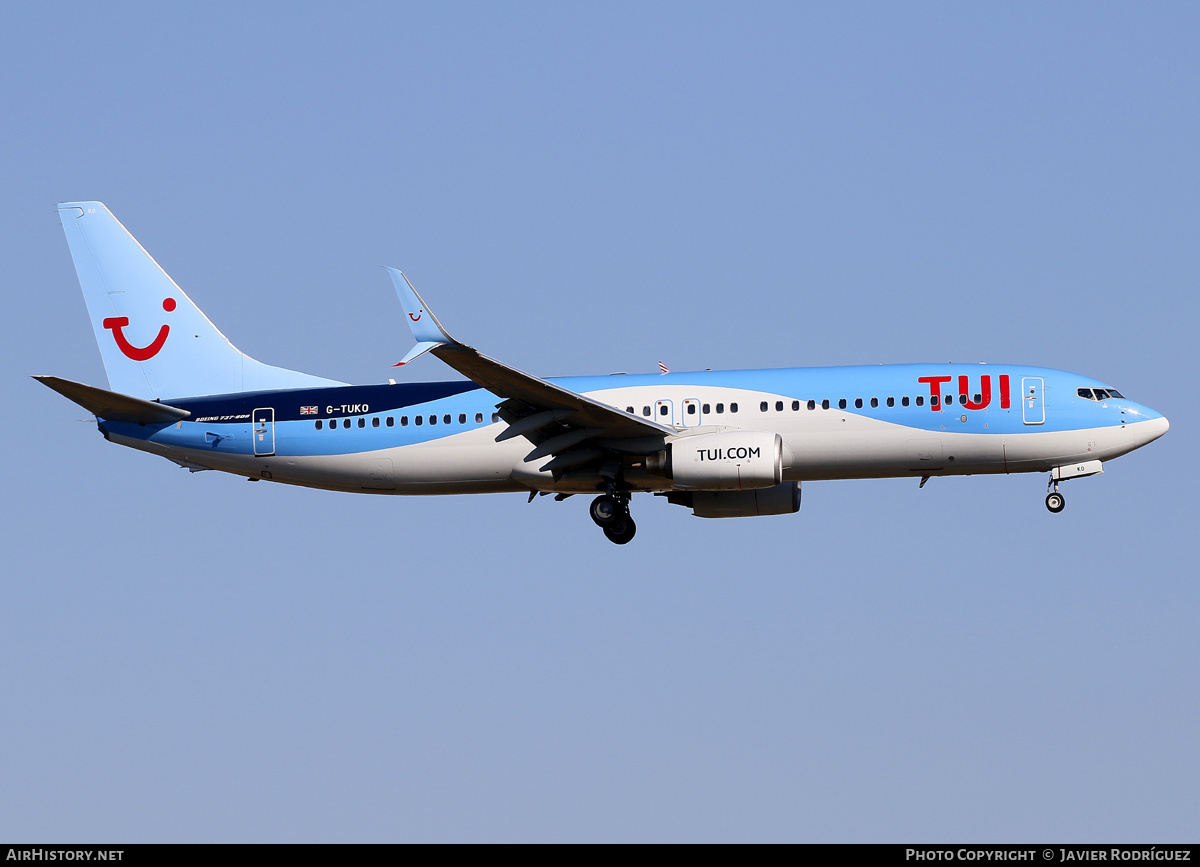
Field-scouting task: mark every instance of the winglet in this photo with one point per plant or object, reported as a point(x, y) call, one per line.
point(416, 352)
point(425, 326)
point(426, 329)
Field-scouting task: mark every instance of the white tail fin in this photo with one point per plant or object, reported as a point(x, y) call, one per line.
point(154, 341)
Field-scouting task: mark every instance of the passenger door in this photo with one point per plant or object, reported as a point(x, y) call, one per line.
point(1033, 407)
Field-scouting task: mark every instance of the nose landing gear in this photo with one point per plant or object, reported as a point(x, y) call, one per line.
point(611, 513)
point(1055, 501)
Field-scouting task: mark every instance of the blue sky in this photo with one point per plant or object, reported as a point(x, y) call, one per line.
point(585, 189)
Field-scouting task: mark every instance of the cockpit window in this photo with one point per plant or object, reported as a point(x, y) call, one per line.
point(1099, 393)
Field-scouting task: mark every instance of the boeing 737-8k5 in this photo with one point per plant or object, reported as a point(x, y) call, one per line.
point(722, 443)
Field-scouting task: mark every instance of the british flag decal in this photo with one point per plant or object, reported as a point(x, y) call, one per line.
point(308, 410)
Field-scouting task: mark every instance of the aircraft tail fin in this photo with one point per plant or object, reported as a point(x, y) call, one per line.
point(155, 342)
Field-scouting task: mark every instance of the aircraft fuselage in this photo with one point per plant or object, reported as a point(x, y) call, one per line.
point(836, 423)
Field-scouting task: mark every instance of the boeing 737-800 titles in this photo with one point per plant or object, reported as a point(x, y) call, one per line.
point(721, 443)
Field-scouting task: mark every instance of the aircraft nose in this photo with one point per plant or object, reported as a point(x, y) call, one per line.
point(1150, 430)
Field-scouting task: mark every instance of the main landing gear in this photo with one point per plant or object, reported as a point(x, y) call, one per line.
point(611, 514)
point(1055, 501)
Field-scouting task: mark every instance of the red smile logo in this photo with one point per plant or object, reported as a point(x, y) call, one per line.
point(416, 318)
point(139, 353)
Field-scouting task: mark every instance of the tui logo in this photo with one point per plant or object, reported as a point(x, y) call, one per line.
point(139, 353)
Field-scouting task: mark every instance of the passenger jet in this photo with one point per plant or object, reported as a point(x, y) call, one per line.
point(724, 444)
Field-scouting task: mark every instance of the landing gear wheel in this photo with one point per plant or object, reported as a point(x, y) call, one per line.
point(621, 530)
point(1055, 502)
point(605, 510)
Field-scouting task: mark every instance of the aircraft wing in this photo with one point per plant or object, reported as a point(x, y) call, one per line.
point(572, 428)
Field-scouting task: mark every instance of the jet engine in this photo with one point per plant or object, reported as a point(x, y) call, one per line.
point(737, 460)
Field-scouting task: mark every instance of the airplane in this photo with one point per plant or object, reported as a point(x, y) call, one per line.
point(734, 443)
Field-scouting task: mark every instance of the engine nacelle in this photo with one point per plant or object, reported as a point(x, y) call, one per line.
point(737, 460)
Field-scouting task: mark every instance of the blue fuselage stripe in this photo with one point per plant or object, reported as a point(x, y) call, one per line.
point(222, 422)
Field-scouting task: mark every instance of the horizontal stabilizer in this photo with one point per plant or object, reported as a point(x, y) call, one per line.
point(113, 406)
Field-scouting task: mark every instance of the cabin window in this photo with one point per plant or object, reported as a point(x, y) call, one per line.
point(733, 407)
point(320, 424)
point(920, 401)
point(691, 409)
point(979, 398)
point(391, 422)
point(904, 401)
point(462, 418)
point(825, 403)
point(362, 422)
point(433, 419)
point(779, 406)
point(403, 421)
point(646, 411)
point(375, 422)
point(662, 410)
point(707, 410)
point(346, 422)
point(874, 402)
point(629, 410)
point(812, 404)
point(720, 408)
point(933, 400)
point(858, 403)
point(842, 403)
point(478, 418)
point(495, 417)
point(891, 401)
point(762, 407)
point(795, 406)
point(419, 419)
point(446, 418)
